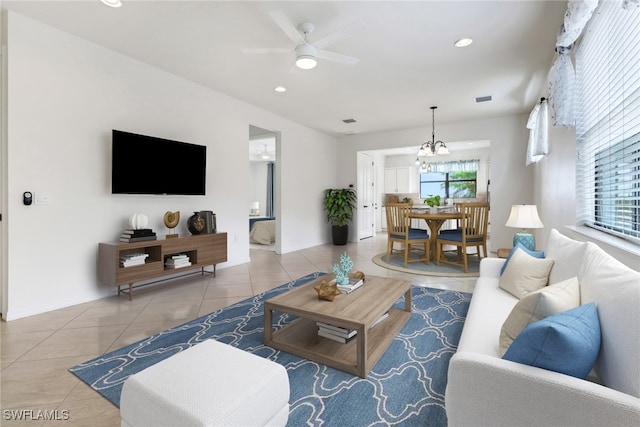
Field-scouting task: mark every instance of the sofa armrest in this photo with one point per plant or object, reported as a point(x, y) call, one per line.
point(488, 391)
point(490, 267)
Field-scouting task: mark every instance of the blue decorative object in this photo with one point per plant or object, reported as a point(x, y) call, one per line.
point(525, 239)
point(566, 342)
point(406, 387)
point(342, 269)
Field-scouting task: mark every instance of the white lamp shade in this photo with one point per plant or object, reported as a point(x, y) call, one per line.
point(524, 216)
point(255, 205)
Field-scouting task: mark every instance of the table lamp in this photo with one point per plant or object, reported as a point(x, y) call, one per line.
point(524, 216)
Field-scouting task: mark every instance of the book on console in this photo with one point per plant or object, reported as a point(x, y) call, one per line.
point(138, 255)
point(139, 232)
point(131, 263)
point(138, 239)
point(176, 266)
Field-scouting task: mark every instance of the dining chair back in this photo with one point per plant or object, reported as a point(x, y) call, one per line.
point(472, 232)
point(399, 231)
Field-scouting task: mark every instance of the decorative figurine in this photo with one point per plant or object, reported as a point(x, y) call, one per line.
point(138, 221)
point(343, 269)
point(171, 220)
point(327, 290)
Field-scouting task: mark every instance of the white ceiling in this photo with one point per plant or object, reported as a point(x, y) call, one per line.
point(407, 58)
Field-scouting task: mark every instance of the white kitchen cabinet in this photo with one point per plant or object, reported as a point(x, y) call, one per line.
point(400, 180)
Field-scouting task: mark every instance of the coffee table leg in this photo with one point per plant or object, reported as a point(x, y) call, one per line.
point(407, 300)
point(361, 363)
point(268, 325)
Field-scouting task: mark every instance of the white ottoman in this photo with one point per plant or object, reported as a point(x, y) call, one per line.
point(210, 384)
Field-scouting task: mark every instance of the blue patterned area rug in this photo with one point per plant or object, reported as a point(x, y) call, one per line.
point(406, 387)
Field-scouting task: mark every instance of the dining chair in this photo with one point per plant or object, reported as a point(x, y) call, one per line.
point(400, 231)
point(471, 233)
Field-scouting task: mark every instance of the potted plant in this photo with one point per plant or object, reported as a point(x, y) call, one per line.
point(433, 202)
point(339, 204)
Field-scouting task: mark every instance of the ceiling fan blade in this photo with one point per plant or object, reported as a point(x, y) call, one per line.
point(267, 50)
point(285, 25)
point(337, 57)
point(350, 29)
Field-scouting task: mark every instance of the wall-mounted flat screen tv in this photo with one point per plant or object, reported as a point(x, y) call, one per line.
point(148, 165)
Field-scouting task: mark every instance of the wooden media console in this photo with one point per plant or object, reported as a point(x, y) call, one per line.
point(203, 250)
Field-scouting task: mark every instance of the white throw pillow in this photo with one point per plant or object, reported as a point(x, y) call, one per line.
point(525, 274)
point(567, 253)
point(536, 306)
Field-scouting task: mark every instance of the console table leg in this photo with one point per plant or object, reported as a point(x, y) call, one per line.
point(130, 291)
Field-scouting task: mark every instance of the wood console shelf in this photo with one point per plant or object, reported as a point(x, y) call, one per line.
point(203, 250)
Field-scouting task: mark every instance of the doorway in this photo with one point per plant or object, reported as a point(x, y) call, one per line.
point(366, 191)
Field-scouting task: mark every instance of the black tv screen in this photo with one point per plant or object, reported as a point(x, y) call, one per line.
point(148, 165)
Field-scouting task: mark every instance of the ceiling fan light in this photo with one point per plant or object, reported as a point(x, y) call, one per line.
point(306, 62)
point(464, 42)
point(112, 3)
point(306, 55)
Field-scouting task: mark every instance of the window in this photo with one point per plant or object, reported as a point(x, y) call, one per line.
point(608, 122)
point(450, 180)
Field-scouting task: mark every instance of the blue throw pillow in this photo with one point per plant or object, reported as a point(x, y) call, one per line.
point(566, 342)
point(537, 254)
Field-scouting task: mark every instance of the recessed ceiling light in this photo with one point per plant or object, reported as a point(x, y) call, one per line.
point(280, 89)
point(112, 3)
point(463, 42)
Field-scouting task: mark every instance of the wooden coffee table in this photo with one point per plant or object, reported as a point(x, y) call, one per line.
point(357, 310)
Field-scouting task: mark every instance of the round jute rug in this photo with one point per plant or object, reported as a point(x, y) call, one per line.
point(431, 269)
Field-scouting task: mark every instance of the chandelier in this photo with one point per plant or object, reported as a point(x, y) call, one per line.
point(433, 147)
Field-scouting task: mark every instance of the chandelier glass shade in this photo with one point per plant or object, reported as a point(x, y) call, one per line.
point(431, 148)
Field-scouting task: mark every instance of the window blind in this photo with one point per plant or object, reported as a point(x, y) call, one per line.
point(608, 122)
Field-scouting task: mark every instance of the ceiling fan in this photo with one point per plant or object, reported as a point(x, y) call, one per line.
point(307, 53)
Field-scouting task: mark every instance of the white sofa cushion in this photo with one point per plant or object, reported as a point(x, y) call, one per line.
point(538, 305)
point(567, 253)
point(525, 274)
point(481, 332)
point(615, 288)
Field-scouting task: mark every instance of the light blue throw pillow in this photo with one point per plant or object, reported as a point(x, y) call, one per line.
point(537, 254)
point(566, 342)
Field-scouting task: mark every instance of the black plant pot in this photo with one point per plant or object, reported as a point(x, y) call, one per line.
point(340, 234)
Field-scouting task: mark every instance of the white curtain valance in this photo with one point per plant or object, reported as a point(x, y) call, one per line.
point(562, 75)
point(456, 166)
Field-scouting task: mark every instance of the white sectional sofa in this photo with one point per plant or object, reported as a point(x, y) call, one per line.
point(486, 390)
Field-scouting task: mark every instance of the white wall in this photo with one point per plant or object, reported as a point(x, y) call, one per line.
point(511, 181)
point(65, 95)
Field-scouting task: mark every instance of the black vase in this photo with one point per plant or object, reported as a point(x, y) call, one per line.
point(196, 223)
point(340, 234)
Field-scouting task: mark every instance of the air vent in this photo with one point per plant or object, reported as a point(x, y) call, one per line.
point(483, 98)
point(349, 120)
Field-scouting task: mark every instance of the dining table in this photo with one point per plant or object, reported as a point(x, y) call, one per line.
point(434, 222)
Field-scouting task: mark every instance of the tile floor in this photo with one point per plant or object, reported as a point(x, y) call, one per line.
point(37, 351)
